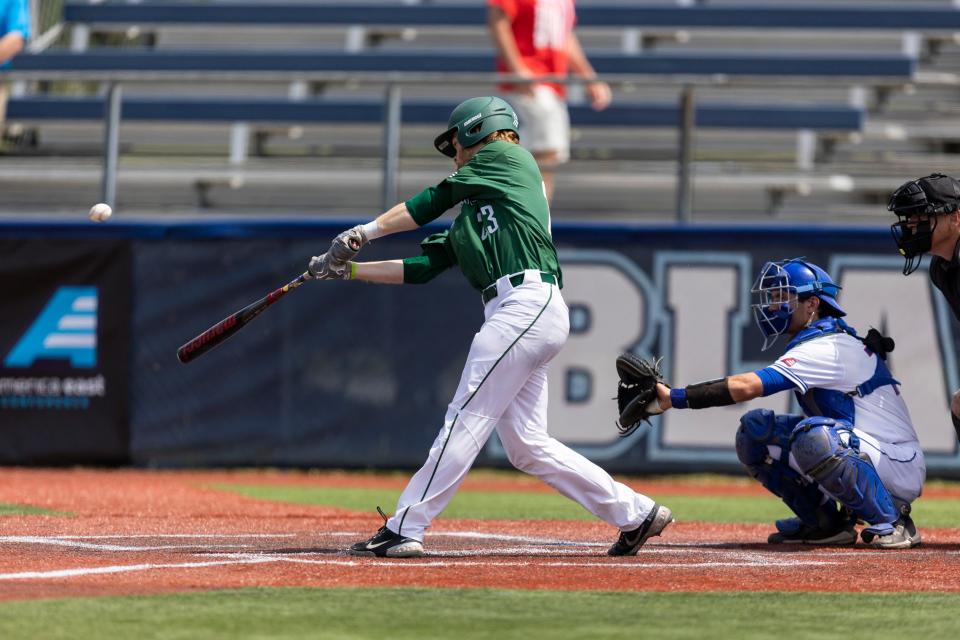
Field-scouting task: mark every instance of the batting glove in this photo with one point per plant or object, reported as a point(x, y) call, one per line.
point(322, 267)
point(347, 245)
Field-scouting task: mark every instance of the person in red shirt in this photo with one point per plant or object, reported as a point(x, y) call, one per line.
point(535, 39)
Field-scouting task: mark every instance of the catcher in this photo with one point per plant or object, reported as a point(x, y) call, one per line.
point(853, 457)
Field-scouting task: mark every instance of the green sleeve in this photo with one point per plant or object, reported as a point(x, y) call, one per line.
point(485, 176)
point(430, 203)
point(437, 257)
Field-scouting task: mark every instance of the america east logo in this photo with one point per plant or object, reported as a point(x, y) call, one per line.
point(66, 329)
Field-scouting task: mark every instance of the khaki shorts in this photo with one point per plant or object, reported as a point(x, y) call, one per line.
point(544, 121)
point(4, 94)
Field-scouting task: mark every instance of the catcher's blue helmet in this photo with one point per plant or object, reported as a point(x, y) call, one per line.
point(781, 285)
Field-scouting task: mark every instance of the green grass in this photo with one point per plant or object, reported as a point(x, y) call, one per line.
point(519, 505)
point(24, 510)
point(418, 614)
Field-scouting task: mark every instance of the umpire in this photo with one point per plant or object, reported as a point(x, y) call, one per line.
point(928, 212)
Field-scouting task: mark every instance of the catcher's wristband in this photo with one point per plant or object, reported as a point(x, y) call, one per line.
point(678, 398)
point(353, 271)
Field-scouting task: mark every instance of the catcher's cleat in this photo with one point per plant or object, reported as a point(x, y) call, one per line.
point(904, 535)
point(630, 542)
point(387, 544)
point(794, 531)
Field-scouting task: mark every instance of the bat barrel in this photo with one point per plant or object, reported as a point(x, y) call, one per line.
point(208, 339)
point(231, 324)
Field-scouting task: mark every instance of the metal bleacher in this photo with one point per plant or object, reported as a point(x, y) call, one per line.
point(808, 108)
point(427, 61)
point(427, 112)
point(777, 15)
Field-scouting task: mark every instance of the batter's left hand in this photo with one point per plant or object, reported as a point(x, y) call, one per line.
point(600, 95)
point(347, 245)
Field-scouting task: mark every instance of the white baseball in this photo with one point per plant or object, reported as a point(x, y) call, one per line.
point(100, 212)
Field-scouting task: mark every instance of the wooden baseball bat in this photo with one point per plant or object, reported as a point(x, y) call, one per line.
point(219, 332)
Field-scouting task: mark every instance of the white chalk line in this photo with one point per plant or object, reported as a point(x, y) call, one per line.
point(548, 547)
point(125, 536)
point(126, 568)
point(498, 536)
point(658, 547)
point(77, 544)
point(392, 564)
point(593, 564)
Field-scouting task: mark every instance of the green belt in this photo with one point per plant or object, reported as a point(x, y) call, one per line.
point(516, 280)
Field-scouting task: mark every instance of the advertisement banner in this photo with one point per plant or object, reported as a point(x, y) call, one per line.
point(64, 351)
point(356, 375)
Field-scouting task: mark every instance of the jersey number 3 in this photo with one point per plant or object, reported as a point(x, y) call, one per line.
point(491, 226)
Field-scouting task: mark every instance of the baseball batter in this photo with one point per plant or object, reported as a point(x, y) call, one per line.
point(502, 243)
point(856, 446)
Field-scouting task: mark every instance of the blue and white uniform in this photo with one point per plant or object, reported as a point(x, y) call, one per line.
point(856, 444)
point(825, 365)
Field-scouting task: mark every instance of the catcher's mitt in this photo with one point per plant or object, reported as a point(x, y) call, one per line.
point(637, 391)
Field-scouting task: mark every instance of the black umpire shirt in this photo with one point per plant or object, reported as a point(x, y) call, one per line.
point(945, 275)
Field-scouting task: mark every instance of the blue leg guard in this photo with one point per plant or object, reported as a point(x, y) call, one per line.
point(840, 470)
point(762, 427)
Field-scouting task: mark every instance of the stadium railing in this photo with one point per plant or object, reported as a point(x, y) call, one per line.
point(919, 25)
point(709, 115)
point(813, 123)
point(769, 65)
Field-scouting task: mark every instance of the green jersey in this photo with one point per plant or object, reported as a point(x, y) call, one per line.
point(504, 222)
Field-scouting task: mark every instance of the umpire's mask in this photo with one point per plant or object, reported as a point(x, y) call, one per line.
point(917, 205)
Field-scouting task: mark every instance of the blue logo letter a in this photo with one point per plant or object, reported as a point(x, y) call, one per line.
point(66, 328)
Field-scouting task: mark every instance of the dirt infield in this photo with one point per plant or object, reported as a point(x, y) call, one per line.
point(142, 532)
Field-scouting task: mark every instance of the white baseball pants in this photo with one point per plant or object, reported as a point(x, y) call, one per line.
point(901, 467)
point(504, 387)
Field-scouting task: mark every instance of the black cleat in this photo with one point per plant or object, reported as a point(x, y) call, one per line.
point(387, 544)
point(794, 531)
point(630, 541)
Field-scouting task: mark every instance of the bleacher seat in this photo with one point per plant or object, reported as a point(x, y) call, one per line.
point(785, 16)
point(708, 115)
point(771, 65)
point(172, 59)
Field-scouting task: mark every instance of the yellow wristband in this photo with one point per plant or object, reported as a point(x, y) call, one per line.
point(353, 271)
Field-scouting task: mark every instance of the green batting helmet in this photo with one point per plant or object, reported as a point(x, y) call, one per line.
point(473, 120)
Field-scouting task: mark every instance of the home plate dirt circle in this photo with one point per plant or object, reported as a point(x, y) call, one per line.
point(139, 532)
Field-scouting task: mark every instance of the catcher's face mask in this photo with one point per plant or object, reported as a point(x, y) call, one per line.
point(775, 302)
point(917, 205)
